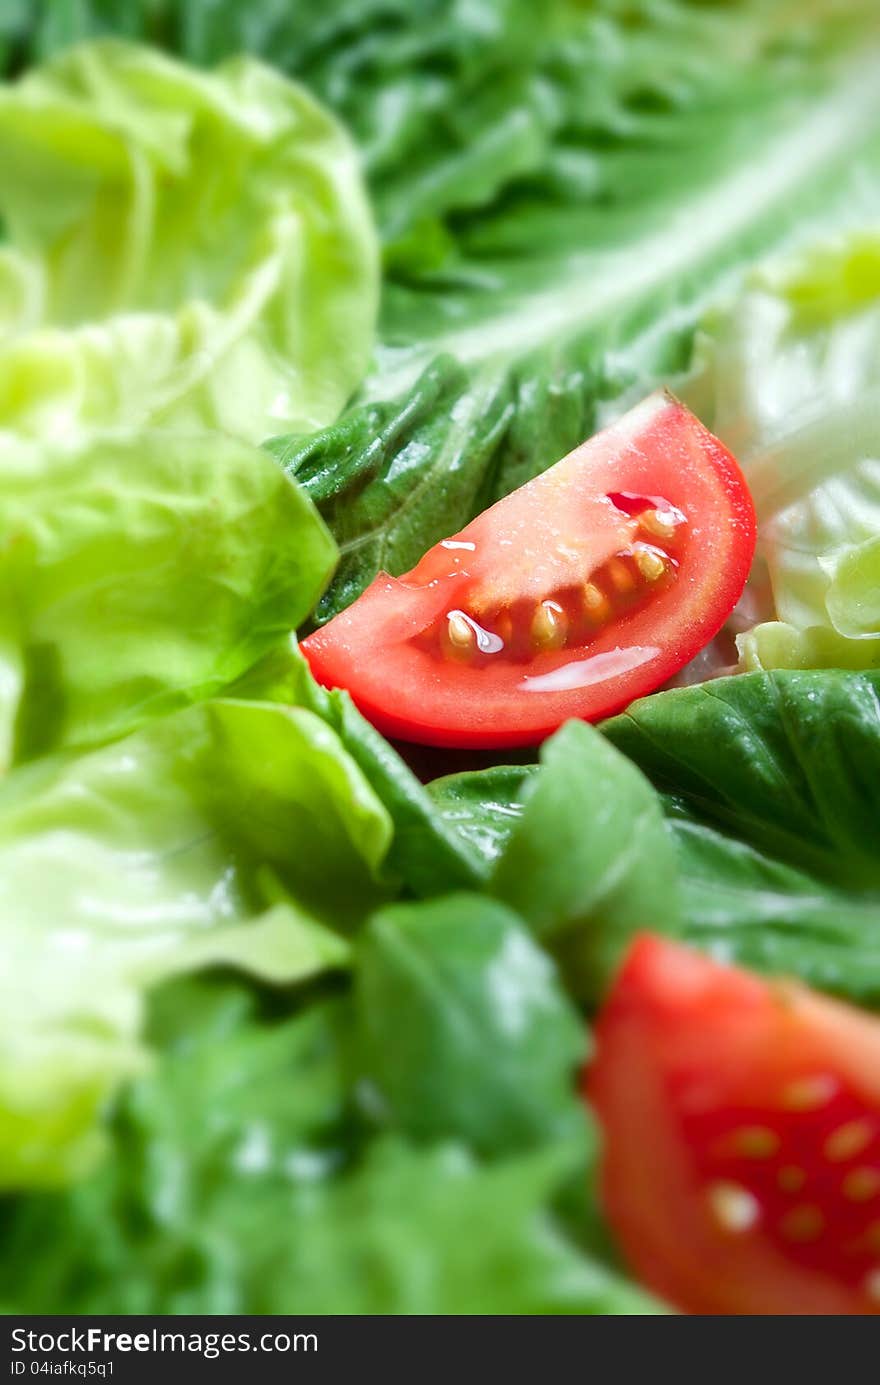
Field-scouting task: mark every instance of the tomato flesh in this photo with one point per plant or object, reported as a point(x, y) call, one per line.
point(587, 587)
point(741, 1124)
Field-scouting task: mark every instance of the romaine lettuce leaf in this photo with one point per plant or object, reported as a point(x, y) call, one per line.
point(140, 572)
point(529, 289)
point(182, 248)
point(235, 832)
point(240, 1183)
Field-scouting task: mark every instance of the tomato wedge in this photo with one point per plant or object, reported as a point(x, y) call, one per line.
point(587, 587)
point(741, 1125)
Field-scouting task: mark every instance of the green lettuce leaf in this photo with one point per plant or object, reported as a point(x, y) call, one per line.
point(492, 1044)
point(240, 1183)
point(140, 572)
point(773, 644)
point(234, 832)
point(427, 852)
point(182, 248)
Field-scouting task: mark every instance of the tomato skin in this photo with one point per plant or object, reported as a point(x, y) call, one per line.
point(552, 535)
point(741, 1124)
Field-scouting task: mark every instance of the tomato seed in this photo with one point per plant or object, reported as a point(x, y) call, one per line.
point(733, 1207)
point(848, 1140)
point(860, 1185)
point(804, 1223)
point(549, 626)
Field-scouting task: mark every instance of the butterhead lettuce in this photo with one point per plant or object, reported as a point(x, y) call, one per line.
point(182, 248)
point(140, 572)
point(226, 833)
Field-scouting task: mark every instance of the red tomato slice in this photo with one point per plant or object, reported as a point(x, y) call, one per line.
point(587, 587)
point(742, 1137)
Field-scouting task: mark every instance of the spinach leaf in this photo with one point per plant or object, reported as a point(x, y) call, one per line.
point(463, 1029)
point(482, 806)
point(788, 761)
point(773, 782)
point(748, 907)
point(591, 860)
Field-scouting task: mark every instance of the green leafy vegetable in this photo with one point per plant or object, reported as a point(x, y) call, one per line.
point(770, 851)
point(139, 573)
point(427, 852)
point(591, 860)
point(773, 783)
point(773, 644)
point(546, 265)
point(462, 1027)
point(224, 834)
point(237, 1187)
point(183, 249)
point(788, 377)
point(483, 806)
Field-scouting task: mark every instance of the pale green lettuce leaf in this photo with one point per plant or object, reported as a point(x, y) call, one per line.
point(140, 572)
point(427, 852)
point(773, 644)
point(235, 832)
point(185, 248)
point(789, 377)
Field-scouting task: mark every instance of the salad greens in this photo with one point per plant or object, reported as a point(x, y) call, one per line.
point(590, 808)
point(162, 852)
point(281, 1025)
point(245, 1131)
point(759, 840)
point(787, 374)
point(491, 1041)
point(139, 572)
point(570, 275)
point(184, 249)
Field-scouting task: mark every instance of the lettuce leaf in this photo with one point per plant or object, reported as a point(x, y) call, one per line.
point(789, 377)
point(183, 249)
point(427, 853)
point(140, 572)
point(241, 1184)
point(234, 832)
